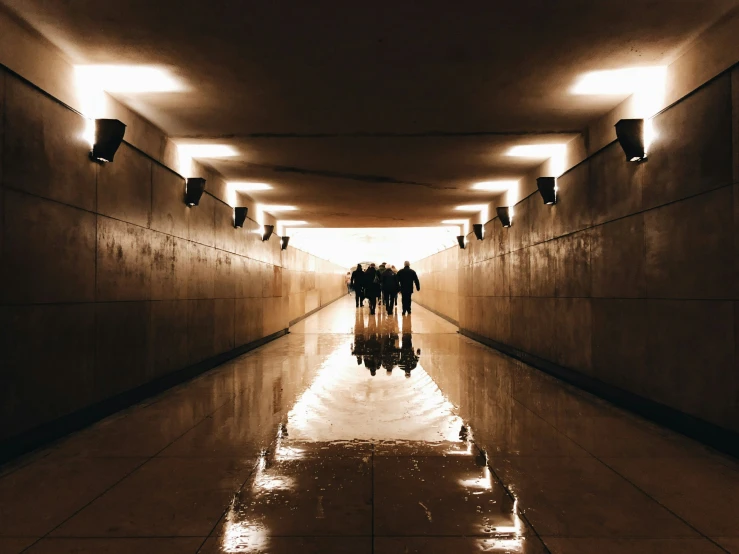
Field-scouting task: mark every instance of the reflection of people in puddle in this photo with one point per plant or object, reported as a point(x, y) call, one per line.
point(389, 345)
point(372, 347)
point(376, 344)
point(408, 357)
point(358, 346)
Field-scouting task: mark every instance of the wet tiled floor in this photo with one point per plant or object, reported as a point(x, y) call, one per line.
point(359, 433)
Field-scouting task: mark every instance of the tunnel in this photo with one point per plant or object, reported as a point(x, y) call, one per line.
point(383, 277)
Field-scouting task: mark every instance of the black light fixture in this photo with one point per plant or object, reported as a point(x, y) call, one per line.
point(283, 243)
point(630, 135)
point(548, 189)
point(240, 216)
point(194, 188)
point(477, 229)
point(460, 240)
point(504, 214)
point(108, 137)
point(268, 230)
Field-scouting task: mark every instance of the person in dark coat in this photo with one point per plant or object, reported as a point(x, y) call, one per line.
point(357, 282)
point(406, 279)
point(389, 289)
point(380, 271)
point(372, 287)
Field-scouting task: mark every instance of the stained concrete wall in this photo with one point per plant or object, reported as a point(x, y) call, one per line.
point(109, 281)
point(633, 277)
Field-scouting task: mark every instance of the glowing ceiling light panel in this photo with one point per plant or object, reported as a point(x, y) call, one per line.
point(647, 85)
point(207, 150)
point(455, 221)
point(269, 209)
point(556, 153)
point(541, 151)
point(292, 223)
point(471, 208)
point(619, 82)
point(495, 186)
point(234, 187)
point(248, 187)
point(128, 79)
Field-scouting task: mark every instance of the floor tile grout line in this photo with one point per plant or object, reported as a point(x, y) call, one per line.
point(37, 456)
point(225, 510)
point(134, 470)
point(598, 459)
point(512, 496)
point(241, 488)
point(637, 487)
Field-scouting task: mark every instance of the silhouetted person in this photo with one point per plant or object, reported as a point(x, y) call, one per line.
point(406, 279)
point(357, 282)
point(389, 289)
point(380, 272)
point(372, 287)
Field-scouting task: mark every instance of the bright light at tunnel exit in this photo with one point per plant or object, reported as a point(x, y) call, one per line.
point(394, 245)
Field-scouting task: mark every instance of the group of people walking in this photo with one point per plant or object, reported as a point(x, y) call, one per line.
point(383, 283)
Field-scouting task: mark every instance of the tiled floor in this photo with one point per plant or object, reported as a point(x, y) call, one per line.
point(372, 434)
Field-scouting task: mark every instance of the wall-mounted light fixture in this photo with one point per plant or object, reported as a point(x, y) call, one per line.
point(548, 189)
point(283, 242)
point(630, 135)
point(504, 214)
point(477, 229)
point(108, 137)
point(460, 240)
point(194, 188)
point(268, 230)
point(240, 216)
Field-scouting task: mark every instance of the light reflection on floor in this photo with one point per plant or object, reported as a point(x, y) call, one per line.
point(384, 404)
point(359, 434)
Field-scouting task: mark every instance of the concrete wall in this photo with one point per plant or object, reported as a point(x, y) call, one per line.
point(109, 281)
point(633, 277)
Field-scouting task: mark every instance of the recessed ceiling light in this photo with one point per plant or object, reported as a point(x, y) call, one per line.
point(471, 208)
point(619, 82)
point(537, 150)
point(207, 150)
point(494, 186)
point(270, 209)
point(292, 223)
point(455, 221)
point(127, 78)
point(248, 187)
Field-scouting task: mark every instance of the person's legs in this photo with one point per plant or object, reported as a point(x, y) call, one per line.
point(372, 303)
point(357, 294)
point(406, 303)
point(390, 303)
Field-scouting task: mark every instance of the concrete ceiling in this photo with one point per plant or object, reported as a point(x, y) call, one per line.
point(373, 114)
